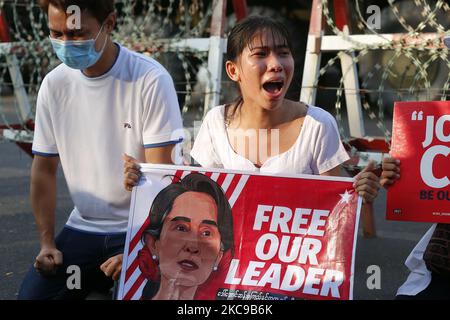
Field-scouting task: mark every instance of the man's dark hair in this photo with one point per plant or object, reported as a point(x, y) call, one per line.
point(99, 9)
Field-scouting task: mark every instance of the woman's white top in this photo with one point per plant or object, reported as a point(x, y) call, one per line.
point(318, 147)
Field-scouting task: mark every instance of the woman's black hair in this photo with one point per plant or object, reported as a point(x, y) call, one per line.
point(163, 203)
point(242, 35)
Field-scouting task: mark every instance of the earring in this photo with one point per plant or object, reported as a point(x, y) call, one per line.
point(154, 257)
point(215, 268)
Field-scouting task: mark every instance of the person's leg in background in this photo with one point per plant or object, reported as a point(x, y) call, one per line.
point(438, 289)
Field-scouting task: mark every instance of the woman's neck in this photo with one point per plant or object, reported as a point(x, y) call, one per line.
point(251, 116)
point(169, 290)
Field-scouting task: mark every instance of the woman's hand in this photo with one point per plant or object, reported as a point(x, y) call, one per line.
point(132, 172)
point(391, 171)
point(367, 183)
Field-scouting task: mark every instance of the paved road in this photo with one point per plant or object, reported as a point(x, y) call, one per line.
point(19, 239)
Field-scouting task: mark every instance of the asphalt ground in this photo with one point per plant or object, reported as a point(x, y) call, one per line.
point(19, 241)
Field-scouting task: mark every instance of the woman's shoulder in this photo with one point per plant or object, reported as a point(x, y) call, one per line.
point(215, 115)
point(321, 116)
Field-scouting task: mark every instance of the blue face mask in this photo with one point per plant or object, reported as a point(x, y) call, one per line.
point(77, 54)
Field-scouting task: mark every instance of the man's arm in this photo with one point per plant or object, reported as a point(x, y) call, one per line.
point(43, 201)
point(160, 155)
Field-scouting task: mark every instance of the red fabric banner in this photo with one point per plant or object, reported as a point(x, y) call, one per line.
point(281, 238)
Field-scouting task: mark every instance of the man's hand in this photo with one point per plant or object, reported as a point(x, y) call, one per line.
point(132, 172)
point(48, 260)
point(113, 266)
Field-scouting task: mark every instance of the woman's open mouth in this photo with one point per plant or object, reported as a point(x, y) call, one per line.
point(274, 88)
point(188, 265)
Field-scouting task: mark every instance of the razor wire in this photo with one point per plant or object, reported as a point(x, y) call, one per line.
point(418, 57)
point(145, 26)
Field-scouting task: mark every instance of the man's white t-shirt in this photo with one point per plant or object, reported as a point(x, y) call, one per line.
point(91, 122)
point(318, 147)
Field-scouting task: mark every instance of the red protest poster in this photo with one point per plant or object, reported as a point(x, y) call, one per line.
point(196, 234)
point(421, 141)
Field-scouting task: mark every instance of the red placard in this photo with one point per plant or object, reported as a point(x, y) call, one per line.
point(421, 141)
point(294, 237)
